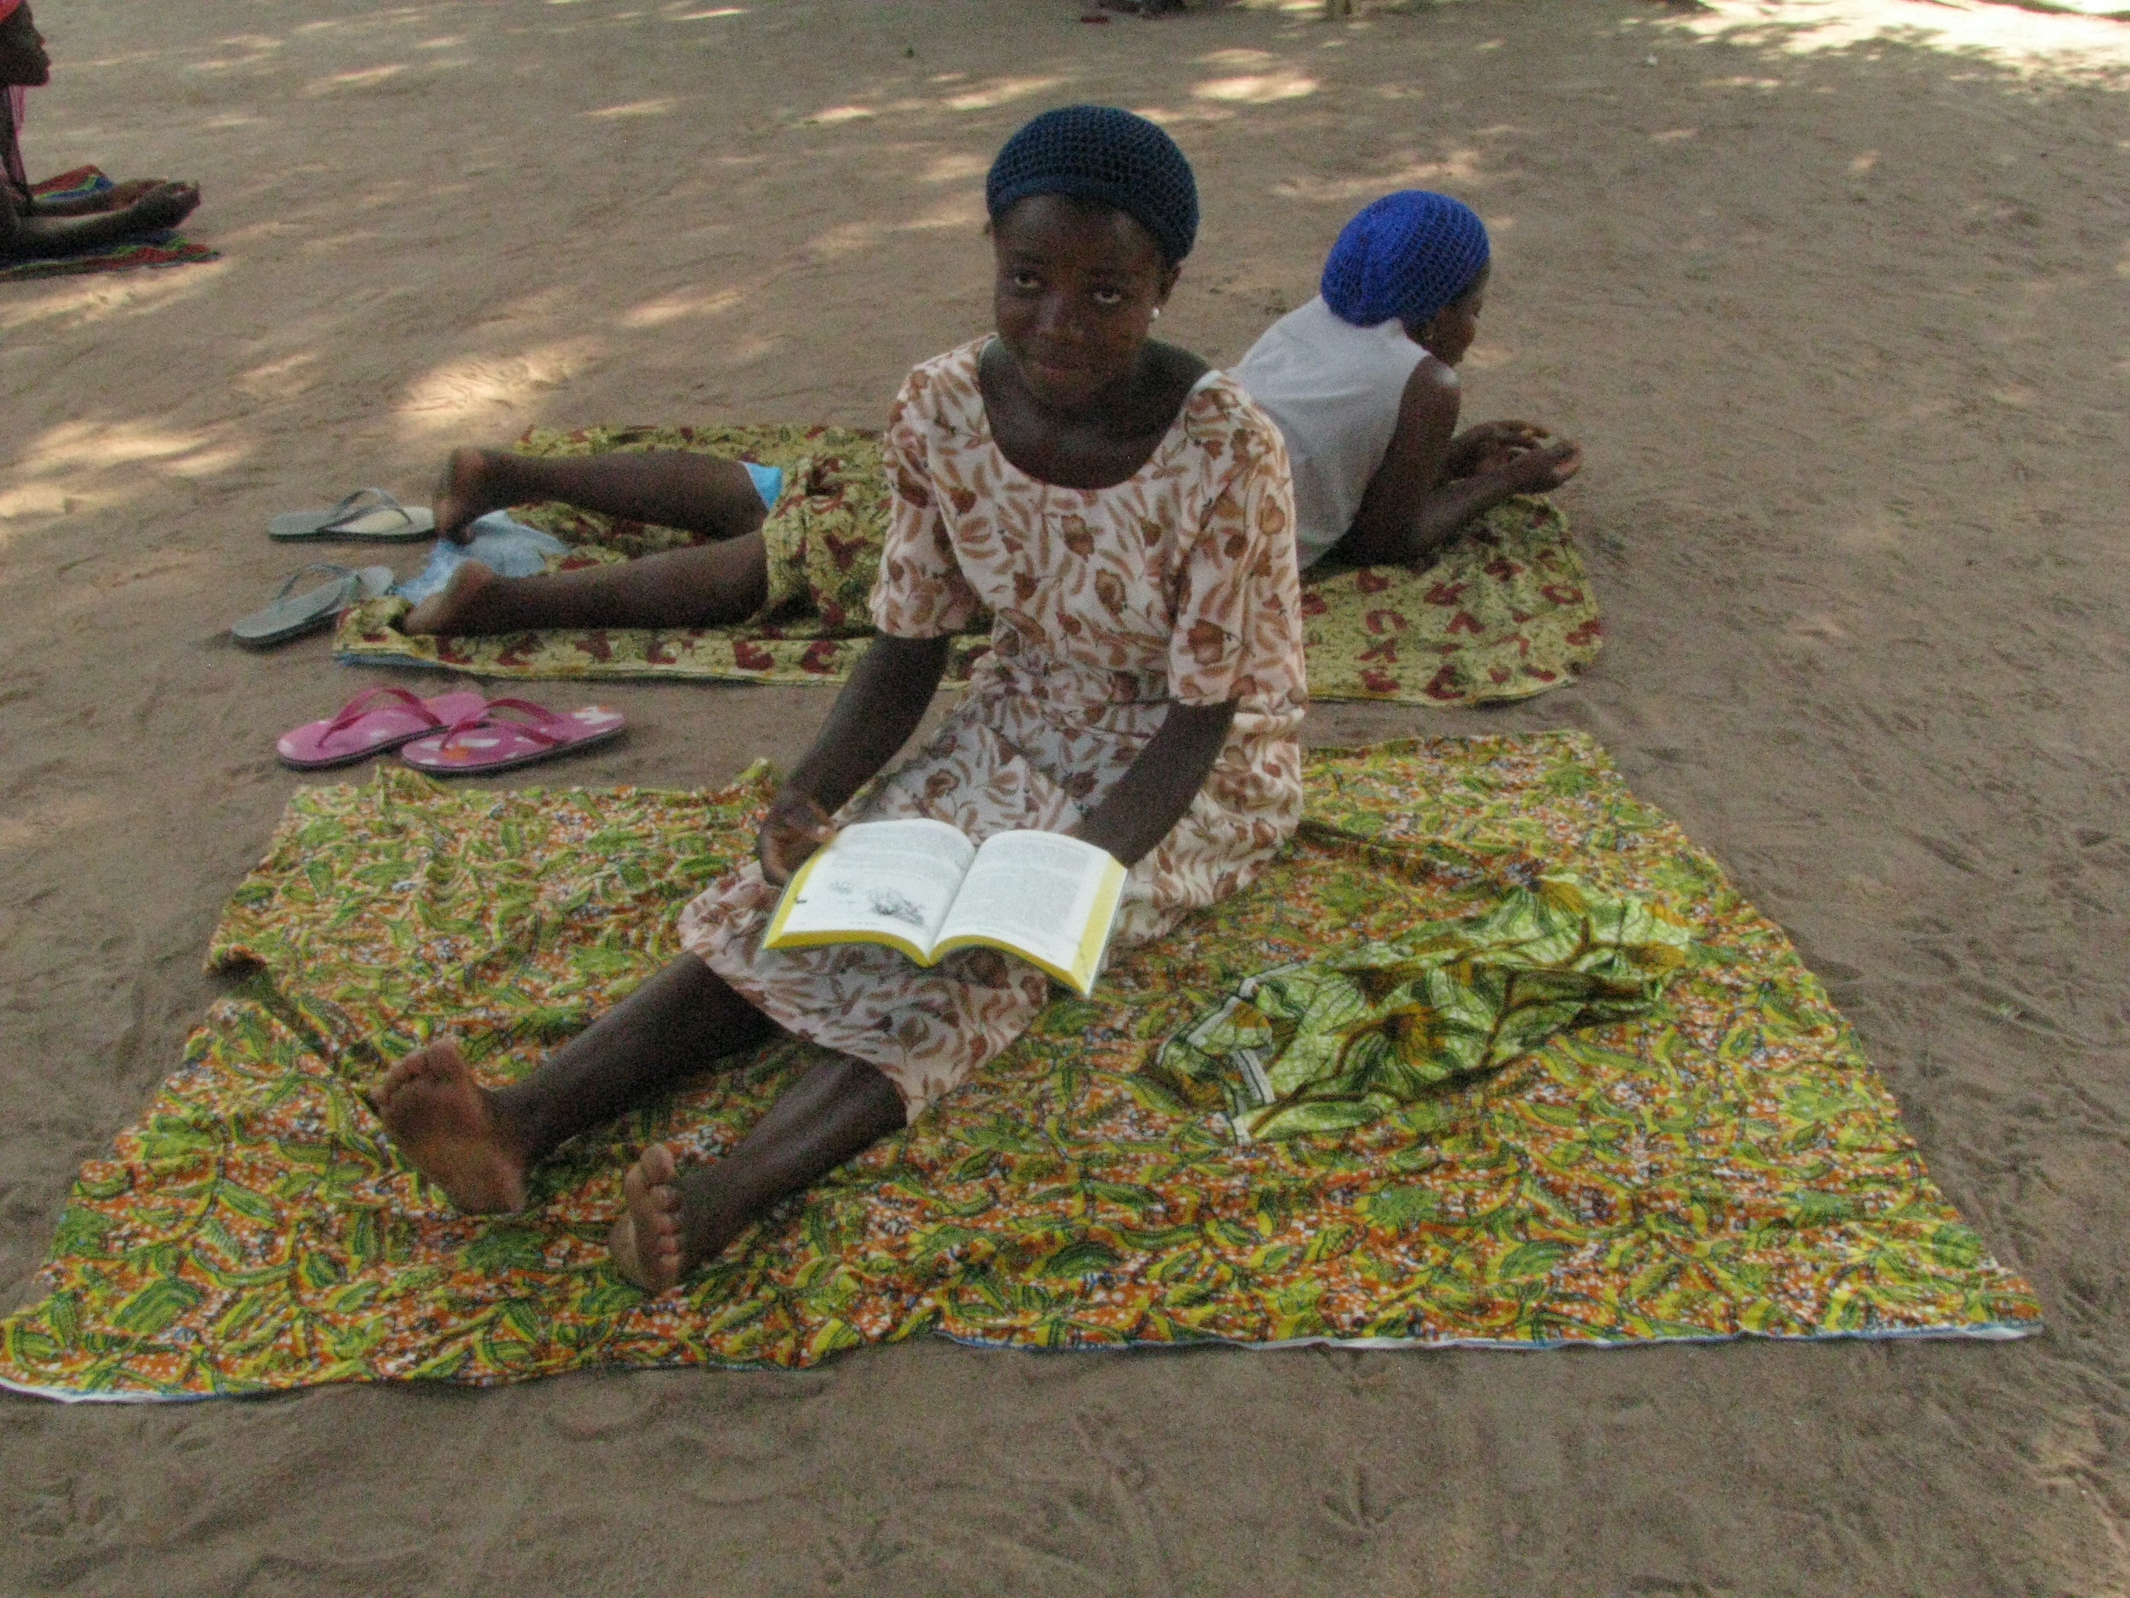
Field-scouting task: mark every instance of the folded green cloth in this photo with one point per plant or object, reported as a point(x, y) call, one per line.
point(1343, 1041)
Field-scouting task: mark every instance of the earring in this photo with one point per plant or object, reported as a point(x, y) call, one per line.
point(1157, 313)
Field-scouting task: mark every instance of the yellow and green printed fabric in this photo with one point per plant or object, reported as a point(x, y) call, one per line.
point(1721, 1162)
point(1506, 611)
point(1344, 1040)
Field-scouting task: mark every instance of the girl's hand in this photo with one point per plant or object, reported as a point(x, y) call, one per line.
point(1535, 471)
point(1490, 445)
point(794, 828)
point(165, 205)
point(1526, 435)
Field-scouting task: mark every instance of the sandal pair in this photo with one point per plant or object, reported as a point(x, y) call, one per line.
point(451, 735)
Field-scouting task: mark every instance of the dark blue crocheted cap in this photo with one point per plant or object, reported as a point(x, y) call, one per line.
point(1097, 152)
point(1404, 257)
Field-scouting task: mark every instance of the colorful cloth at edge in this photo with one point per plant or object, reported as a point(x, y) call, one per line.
point(150, 249)
point(1729, 1165)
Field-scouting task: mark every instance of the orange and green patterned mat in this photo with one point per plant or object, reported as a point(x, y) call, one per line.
point(1506, 613)
point(1726, 1165)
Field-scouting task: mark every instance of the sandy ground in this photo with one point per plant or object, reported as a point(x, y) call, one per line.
point(1832, 292)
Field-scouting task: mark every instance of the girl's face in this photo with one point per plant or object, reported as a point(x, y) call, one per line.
point(23, 62)
point(1078, 284)
point(1450, 331)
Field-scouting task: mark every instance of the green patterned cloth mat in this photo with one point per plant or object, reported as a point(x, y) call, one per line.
point(1506, 613)
point(1727, 1163)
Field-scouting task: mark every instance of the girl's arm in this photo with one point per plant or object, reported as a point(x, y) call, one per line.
point(873, 717)
point(1409, 509)
point(1160, 783)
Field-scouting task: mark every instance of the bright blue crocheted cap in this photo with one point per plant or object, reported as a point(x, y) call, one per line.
point(1097, 152)
point(1404, 257)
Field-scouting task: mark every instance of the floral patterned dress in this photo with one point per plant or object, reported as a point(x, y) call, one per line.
point(1176, 586)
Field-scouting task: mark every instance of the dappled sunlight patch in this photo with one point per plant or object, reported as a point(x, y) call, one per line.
point(361, 78)
point(77, 302)
point(249, 49)
point(706, 15)
point(1816, 627)
point(965, 212)
point(1873, 530)
point(634, 108)
point(1462, 167)
point(1257, 88)
point(283, 379)
point(838, 114)
point(477, 387)
point(91, 465)
point(1003, 91)
point(2032, 41)
point(850, 238)
point(1168, 116)
point(954, 169)
point(753, 347)
point(683, 305)
point(846, 238)
point(73, 445)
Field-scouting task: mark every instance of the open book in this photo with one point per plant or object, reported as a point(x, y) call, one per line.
point(921, 887)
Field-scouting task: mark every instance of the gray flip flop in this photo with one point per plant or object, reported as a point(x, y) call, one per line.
point(367, 513)
point(290, 614)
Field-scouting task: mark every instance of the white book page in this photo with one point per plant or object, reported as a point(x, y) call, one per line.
point(893, 877)
point(1033, 890)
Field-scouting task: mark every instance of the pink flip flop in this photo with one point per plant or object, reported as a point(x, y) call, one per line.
point(373, 721)
point(487, 741)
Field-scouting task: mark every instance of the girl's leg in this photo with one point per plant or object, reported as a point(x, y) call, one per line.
point(702, 494)
point(707, 585)
point(477, 1143)
point(680, 1221)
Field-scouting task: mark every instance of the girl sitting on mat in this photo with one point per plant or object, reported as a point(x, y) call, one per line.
point(1362, 382)
point(1124, 513)
point(32, 228)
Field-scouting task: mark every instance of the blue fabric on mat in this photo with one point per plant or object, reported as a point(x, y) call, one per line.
point(768, 481)
point(508, 548)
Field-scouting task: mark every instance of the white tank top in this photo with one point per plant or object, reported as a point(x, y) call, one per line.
point(1334, 390)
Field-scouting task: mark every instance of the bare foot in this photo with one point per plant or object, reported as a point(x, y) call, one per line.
point(445, 1126)
point(646, 1243)
point(456, 609)
point(165, 205)
point(472, 486)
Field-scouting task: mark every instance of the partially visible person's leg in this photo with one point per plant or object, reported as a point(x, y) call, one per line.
point(703, 494)
point(706, 585)
point(33, 236)
point(679, 1221)
point(477, 1143)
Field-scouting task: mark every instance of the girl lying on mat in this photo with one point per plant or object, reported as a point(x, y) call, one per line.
point(31, 228)
point(1125, 515)
point(1362, 383)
